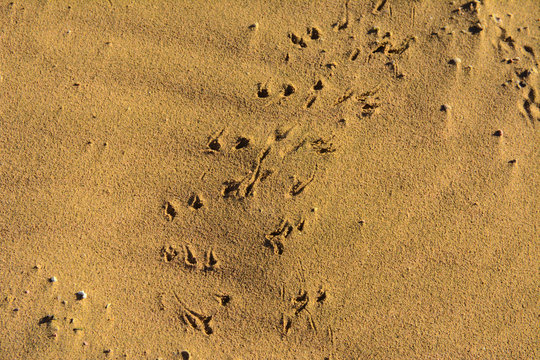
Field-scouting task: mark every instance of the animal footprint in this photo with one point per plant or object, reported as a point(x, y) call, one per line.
point(300, 302)
point(195, 202)
point(297, 40)
point(322, 147)
point(213, 142)
point(299, 305)
point(531, 107)
point(189, 259)
point(195, 320)
point(168, 253)
point(231, 188)
point(275, 239)
point(314, 33)
point(285, 324)
point(241, 142)
point(318, 85)
point(346, 96)
point(299, 186)
point(223, 300)
point(310, 101)
point(288, 90)
point(170, 210)
point(245, 187)
point(321, 296)
point(211, 261)
point(262, 91)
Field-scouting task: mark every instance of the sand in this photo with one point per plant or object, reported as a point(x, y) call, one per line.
point(269, 180)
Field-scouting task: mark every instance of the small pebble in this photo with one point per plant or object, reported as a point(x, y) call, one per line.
point(80, 295)
point(26, 291)
point(455, 61)
point(85, 343)
point(497, 133)
point(53, 279)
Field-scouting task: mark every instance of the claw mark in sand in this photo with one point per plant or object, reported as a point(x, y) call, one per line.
point(168, 253)
point(189, 259)
point(322, 147)
point(252, 181)
point(211, 261)
point(310, 101)
point(233, 188)
point(285, 324)
point(299, 186)
point(170, 210)
point(299, 304)
point(194, 319)
point(195, 202)
point(380, 6)
point(346, 96)
point(223, 300)
point(276, 238)
point(344, 22)
point(213, 142)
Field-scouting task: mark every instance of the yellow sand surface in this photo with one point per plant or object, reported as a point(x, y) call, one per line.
point(349, 179)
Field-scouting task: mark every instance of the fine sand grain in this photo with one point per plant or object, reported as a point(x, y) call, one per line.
point(349, 179)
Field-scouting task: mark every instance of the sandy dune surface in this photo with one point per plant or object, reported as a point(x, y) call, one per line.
point(269, 179)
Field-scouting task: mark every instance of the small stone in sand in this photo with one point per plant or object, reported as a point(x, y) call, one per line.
point(53, 279)
point(80, 295)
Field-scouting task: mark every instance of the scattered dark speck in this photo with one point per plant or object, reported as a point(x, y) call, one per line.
point(445, 107)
